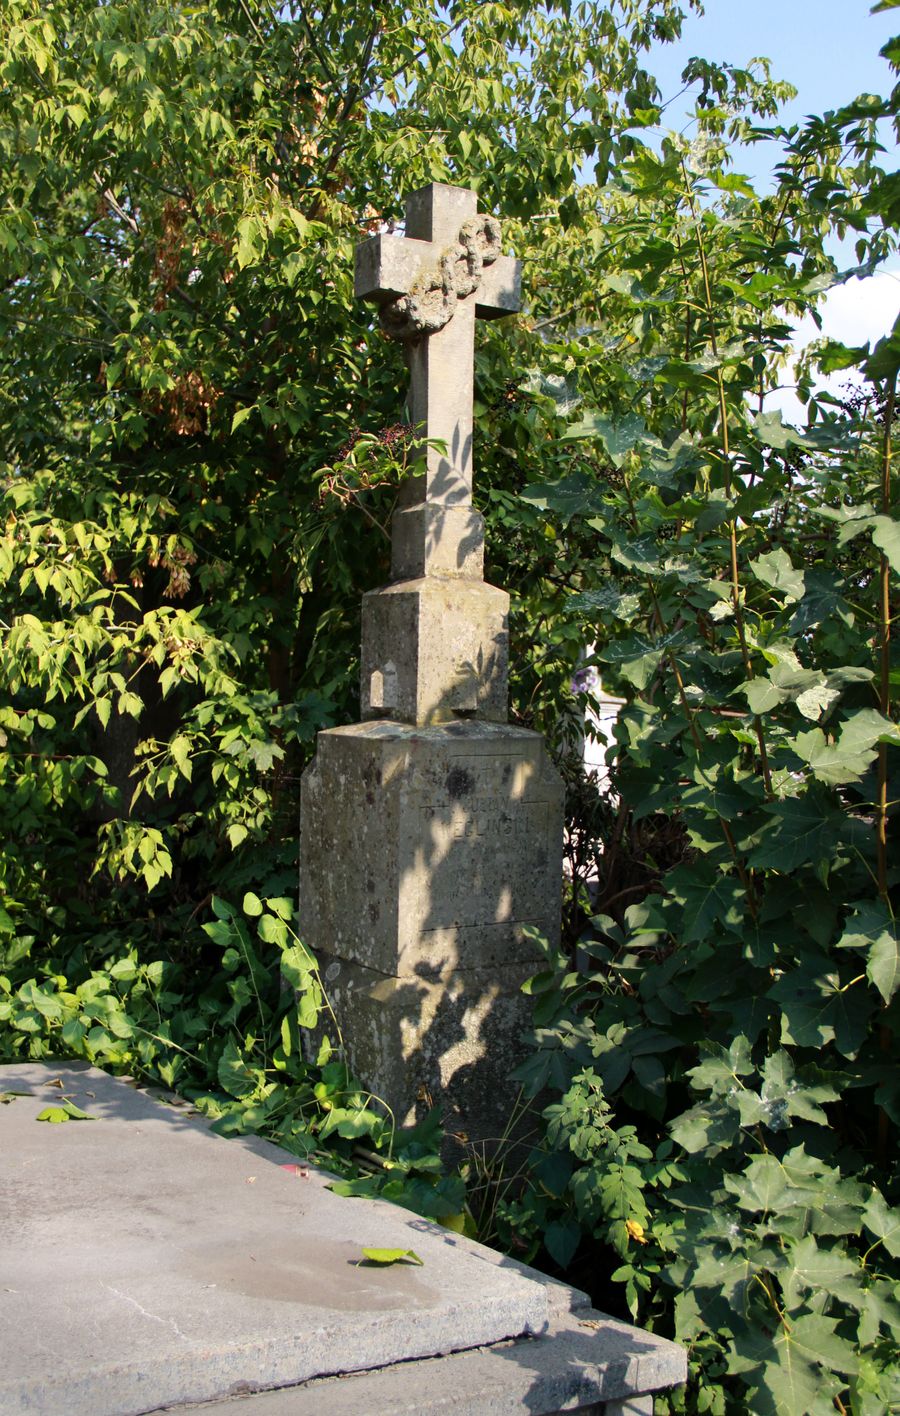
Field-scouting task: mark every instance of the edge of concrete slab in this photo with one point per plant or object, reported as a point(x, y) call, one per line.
point(585, 1361)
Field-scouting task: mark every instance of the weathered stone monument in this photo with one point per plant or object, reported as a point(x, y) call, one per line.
point(431, 833)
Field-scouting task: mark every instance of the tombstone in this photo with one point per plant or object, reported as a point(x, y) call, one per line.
point(600, 717)
point(431, 832)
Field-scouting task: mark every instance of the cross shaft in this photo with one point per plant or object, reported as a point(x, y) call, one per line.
point(441, 364)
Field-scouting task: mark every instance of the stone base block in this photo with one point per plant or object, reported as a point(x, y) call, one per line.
point(429, 857)
point(433, 649)
point(450, 1037)
point(431, 539)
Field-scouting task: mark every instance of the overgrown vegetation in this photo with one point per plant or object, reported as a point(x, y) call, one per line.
point(200, 431)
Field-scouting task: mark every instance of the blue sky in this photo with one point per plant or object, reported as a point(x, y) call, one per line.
point(828, 49)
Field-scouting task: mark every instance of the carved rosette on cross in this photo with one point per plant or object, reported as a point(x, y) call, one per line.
point(434, 642)
point(432, 300)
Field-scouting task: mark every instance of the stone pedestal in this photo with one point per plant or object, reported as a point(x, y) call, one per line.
point(427, 855)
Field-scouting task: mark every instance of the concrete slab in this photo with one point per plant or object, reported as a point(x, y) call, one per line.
point(146, 1264)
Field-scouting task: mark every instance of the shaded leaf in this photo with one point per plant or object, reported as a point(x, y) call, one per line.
point(883, 1222)
point(618, 436)
point(872, 929)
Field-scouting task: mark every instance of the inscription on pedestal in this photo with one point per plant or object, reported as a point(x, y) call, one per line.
point(483, 831)
point(489, 817)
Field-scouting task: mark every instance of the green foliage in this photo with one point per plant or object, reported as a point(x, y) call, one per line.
point(201, 445)
point(725, 1050)
point(219, 1026)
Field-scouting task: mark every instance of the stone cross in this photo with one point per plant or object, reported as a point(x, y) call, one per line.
point(431, 831)
point(431, 284)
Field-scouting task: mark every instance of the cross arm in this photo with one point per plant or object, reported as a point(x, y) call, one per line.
point(500, 290)
point(388, 266)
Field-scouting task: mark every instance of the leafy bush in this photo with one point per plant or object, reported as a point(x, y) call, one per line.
point(201, 446)
point(723, 1048)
